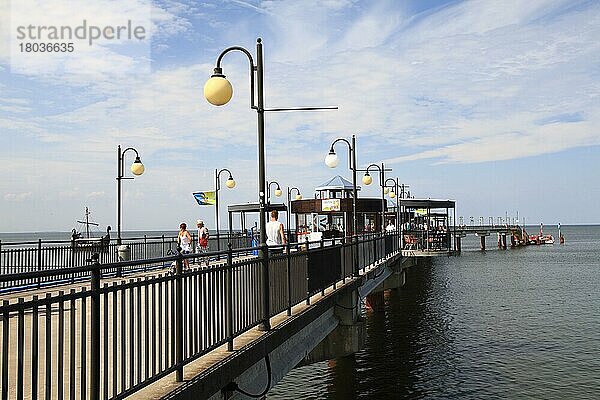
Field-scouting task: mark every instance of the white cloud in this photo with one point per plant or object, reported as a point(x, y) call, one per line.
point(465, 83)
point(95, 195)
point(17, 197)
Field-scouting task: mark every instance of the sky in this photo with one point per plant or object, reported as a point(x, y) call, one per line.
point(493, 104)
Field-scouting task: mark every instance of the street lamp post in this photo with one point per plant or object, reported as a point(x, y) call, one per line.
point(137, 168)
point(394, 193)
point(367, 180)
point(289, 208)
point(218, 91)
point(332, 160)
point(230, 183)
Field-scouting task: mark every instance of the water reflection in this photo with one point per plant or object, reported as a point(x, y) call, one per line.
point(520, 323)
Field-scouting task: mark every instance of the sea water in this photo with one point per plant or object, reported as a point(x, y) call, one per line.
point(521, 323)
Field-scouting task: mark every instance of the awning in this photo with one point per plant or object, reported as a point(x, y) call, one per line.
point(427, 203)
point(254, 207)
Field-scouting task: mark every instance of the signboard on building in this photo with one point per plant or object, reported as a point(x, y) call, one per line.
point(330, 205)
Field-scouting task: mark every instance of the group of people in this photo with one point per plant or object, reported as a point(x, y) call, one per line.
point(274, 229)
point(184, 239)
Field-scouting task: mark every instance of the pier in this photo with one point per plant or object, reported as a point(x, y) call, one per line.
point(127, 320)
point(514, 232)
point(113, 337)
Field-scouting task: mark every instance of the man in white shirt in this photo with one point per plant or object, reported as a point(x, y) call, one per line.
point(390, 227)
point(275, 233)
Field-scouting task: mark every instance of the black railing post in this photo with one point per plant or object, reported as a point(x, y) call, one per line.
point(289, 278)
point(266, 325)
point(95, 329)
point(5, 348)
point(354, 252)
point(343, 243)
point(229, 298)
point(179, 317)
point(145, 252)
point(39, 261)
point(322, 245)
point(335, 279)
point(374, 244)
point(307, 286)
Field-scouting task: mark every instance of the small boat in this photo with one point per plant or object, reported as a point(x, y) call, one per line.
point(541, 238)
point(88, 242)
point(547, 239)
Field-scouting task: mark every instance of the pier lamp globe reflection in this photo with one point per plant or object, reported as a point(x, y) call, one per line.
point(230, 183)
point(386, 190)
point(331, 159)
point(367, 179)
point(217, 90)
point(137, 168)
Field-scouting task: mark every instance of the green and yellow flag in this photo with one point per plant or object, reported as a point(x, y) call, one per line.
point(205, 198)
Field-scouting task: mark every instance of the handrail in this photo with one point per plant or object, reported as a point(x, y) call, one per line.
point(156, 260)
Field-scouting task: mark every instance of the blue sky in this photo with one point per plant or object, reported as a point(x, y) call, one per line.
point(493, 104)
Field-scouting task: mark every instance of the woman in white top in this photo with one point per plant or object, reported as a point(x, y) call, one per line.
point(185, 241)
point(275, 233)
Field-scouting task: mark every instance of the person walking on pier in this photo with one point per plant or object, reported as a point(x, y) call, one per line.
point(185, 242)
point(275, 233)
point(203, 235)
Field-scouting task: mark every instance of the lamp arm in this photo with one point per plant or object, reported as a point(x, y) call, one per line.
point(269, 188)
point(218, 176)
point(378, 169)
point(129, 148)
point(374, 166)
point(390, 179)
point(122, 171)
point(350, 149)
point(219, 70)
point(224, 170)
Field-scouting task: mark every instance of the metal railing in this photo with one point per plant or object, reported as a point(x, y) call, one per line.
point(25, 257)
point(112, 337)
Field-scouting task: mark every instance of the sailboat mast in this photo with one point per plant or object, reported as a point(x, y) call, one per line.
point(87, 222)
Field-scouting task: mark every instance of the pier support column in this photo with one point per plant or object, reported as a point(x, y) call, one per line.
point(504, 241)
point(482, 240)
point(513, 241)
point(347, 338)
point(458, 244)
point(499, 241)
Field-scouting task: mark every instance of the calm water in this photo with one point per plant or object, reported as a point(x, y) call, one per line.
point(520, 323)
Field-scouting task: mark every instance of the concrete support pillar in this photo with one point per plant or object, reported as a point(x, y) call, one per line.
point(482, 239)
point(513, 241)
point(458, 244)
point(499, 241)
point(347, 338)
point(504, 241)
point(348, 310)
